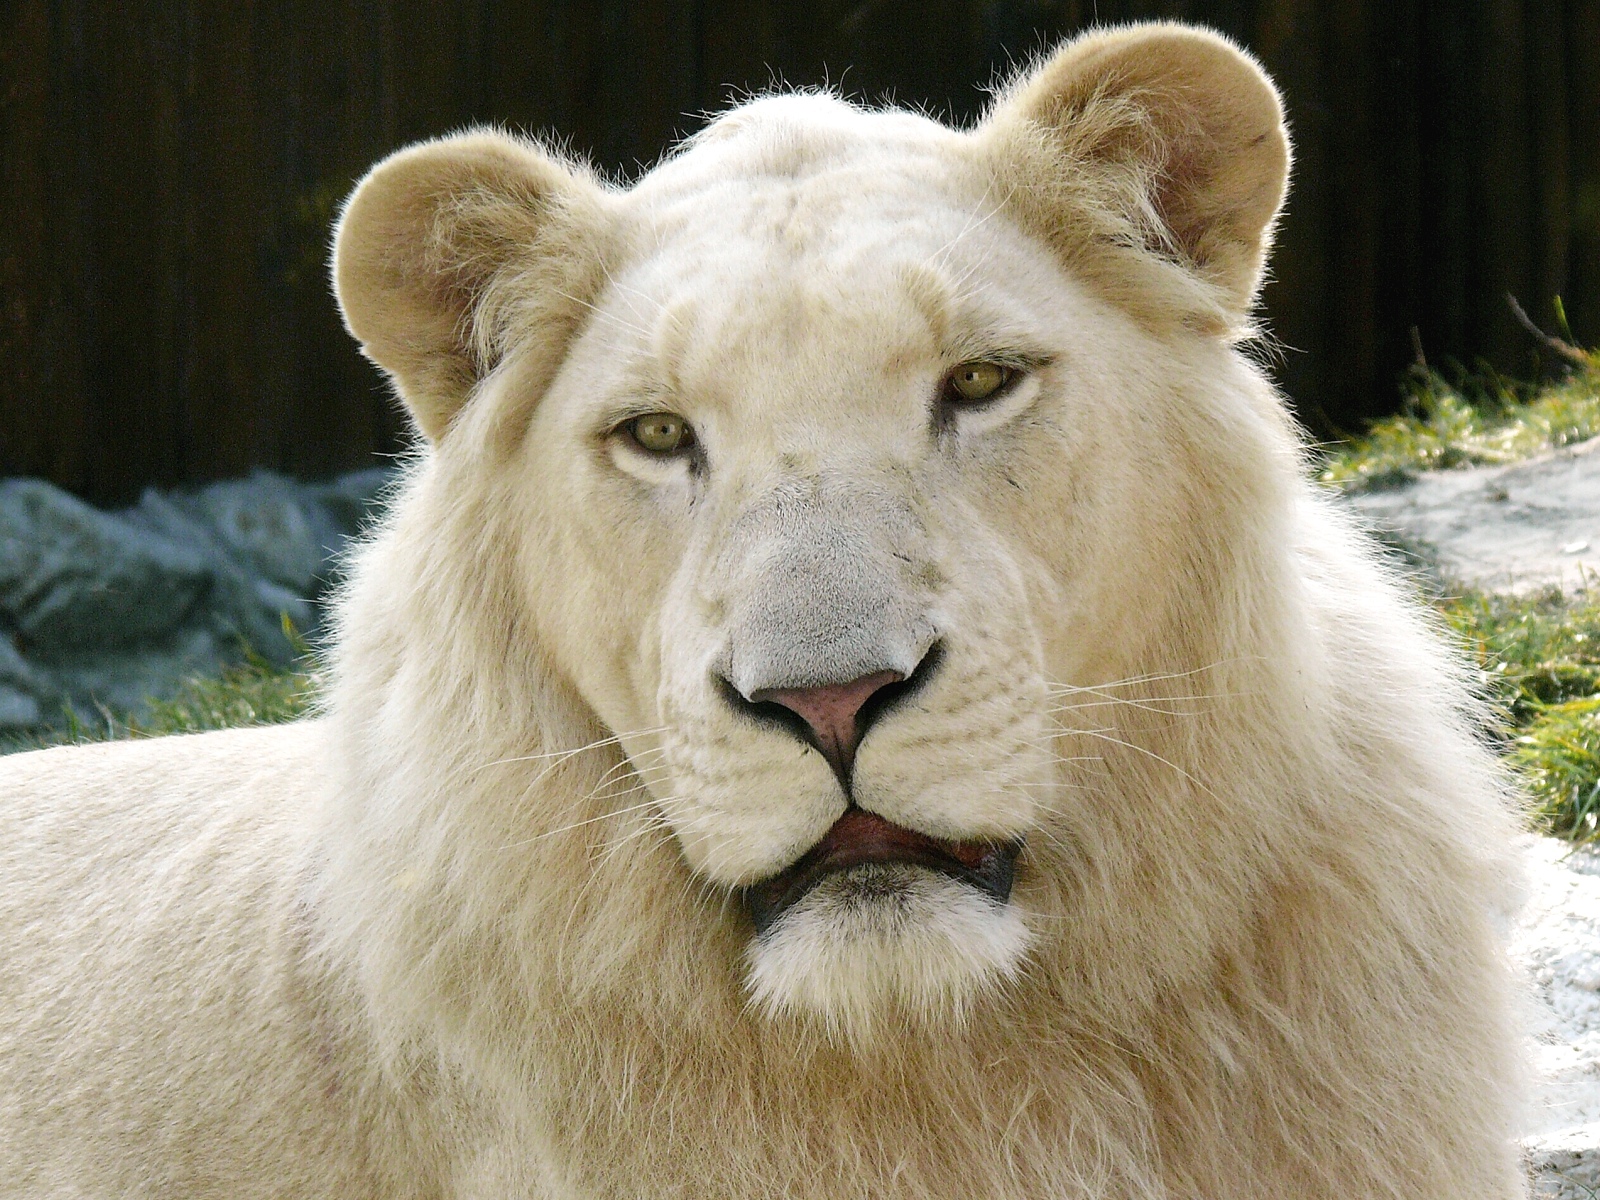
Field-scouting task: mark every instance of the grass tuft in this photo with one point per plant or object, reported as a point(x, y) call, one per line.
point(1534, 651)
point(253, 692)
point(1559, 760)
point(1539, 658)
point(1480, 419)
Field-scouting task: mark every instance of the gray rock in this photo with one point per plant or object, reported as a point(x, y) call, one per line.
point(354, 499)
point(271, 526)
point(18, 710)
point(25, 694)
point(73, 577)
point(1521, 527)
point(125, 681)
point(288, 532)
point(243, 606)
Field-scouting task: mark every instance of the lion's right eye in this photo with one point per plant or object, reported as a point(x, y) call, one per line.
point(660, 433)
point(972, 383)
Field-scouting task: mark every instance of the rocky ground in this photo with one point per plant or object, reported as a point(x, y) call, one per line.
point(1523, 527)
point(110, 608)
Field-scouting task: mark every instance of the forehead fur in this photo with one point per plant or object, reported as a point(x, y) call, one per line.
point(802, 218)
point(799, 176)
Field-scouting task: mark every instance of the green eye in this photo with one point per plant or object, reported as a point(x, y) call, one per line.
point(660, 433)
point(974, 382)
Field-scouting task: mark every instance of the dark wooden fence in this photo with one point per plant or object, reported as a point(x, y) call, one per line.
point(169, 168)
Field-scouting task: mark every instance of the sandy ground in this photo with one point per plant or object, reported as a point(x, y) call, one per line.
point(1518, 528)
point(1557, 942)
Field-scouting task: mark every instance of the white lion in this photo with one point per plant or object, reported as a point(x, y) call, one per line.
point(857, 698)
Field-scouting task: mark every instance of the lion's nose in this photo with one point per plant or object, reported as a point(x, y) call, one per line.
point(835, 714)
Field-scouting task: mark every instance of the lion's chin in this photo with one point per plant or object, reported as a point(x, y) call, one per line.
point(869, 947)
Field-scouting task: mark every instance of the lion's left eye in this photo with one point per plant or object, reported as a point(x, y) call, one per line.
point(975, 382)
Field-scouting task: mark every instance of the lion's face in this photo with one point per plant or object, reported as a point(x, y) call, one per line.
point(817, 615)
point(804, 492)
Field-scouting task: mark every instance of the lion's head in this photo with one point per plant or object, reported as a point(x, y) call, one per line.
point(826, 451)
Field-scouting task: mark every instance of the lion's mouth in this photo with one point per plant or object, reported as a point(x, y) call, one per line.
point(860, 838)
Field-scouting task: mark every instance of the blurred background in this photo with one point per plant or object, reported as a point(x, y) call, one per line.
point(169, 170)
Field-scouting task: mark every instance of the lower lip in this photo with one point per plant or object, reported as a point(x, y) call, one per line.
point(860, 838)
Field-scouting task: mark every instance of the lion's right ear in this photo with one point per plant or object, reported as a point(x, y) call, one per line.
point(451, 251)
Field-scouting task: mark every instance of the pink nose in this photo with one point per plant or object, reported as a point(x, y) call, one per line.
point(833, 713)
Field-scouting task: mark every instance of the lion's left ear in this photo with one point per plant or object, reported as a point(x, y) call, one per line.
point(1160, 138)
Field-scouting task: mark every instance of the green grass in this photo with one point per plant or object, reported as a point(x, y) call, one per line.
point(1559, 758)
point(1535, 651)
point(1539, 655)
point(1478, 419)
point(1540, 661)
point(255, 692)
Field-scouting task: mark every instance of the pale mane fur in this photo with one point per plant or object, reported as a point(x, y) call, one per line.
point(475, 930)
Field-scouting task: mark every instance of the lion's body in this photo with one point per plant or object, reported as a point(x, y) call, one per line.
point(162, 1017)
point(475, 932)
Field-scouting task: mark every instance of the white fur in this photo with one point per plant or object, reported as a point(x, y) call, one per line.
point(475, 932)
